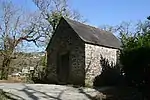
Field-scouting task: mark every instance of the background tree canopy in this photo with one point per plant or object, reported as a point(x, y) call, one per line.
point(18, 28)
point(135, 55)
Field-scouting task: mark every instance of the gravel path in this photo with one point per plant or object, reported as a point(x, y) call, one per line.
point(46, 92)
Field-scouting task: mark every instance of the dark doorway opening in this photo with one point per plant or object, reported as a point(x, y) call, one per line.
point(63, 68)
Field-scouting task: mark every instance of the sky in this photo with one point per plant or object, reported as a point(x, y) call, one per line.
point(112, 12)
point(103, 12)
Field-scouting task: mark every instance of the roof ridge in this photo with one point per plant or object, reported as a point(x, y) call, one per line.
point(81, 23)
point(94, 35)
point(89, 26)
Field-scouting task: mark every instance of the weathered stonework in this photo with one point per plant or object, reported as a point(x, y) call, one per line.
point(82, 59)
point(66, 40)
point(92, 60)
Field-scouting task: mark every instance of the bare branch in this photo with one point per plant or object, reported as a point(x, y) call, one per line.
point(53, 10)
point(15, 29)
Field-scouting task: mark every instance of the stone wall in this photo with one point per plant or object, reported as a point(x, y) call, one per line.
point(92, 60)
point(64, 40)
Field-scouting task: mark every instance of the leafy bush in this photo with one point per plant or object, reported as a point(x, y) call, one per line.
point(136, 65)
point(135, 57)
point(110, 76)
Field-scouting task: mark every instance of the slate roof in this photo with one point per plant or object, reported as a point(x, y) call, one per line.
point(94, 35)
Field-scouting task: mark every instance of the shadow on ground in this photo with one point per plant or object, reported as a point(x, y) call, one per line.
point(9, 96)
point(105, 93)
point(120, 93)
point(32, 94)
point(115, 93)
point(56, 93)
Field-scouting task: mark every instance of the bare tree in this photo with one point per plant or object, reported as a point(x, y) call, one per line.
point(14, 30)
point(53, 10)
point(108, 28)
point(120, 30)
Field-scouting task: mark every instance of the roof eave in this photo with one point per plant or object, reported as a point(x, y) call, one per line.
point(113, 47)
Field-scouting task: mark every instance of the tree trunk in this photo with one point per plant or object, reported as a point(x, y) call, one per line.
point(5, 68)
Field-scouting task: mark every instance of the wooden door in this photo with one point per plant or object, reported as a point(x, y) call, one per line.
point(63, 68)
